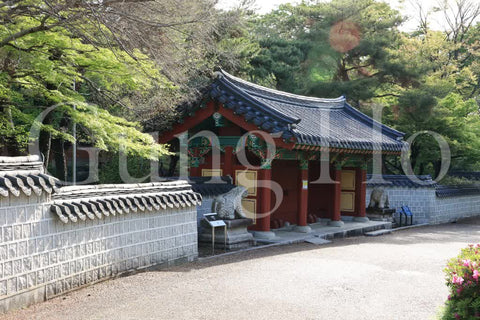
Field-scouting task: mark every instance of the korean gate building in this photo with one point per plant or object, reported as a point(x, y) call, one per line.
point(311, 136)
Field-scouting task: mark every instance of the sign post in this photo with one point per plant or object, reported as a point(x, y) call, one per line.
point(214, 223)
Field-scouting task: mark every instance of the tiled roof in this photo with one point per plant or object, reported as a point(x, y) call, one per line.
point(94, 202)
point(206, 188)
point(457, 191)
point(305, 120)
point(24, 175)
point(470, 175)
point(441, 191)
point(400, 181)
point(74, 203)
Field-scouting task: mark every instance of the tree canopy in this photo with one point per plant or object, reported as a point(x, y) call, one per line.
point(105, 65)
point(426, 80)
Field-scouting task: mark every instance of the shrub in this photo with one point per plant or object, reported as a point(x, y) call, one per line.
point(462, 274)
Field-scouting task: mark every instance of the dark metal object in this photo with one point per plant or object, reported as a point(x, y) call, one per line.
point(405, 212)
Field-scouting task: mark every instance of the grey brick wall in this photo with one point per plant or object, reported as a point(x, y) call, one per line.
point(454, 208)
point(428, 208)
point(41, 257)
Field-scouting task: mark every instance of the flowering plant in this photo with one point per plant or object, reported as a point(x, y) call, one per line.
point(462, 276)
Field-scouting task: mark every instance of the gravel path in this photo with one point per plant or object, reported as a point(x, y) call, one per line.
point(396, 276)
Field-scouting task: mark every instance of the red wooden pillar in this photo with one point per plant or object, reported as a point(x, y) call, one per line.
point(228, 162)
point(361, 194)
point(264, 197)
point(302, 207)
point(195, 172)
point(337, 198)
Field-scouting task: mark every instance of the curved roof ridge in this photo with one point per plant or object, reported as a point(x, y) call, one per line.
point(369, 120)
point(247, 95)
point(302, 119)
point(276, 93)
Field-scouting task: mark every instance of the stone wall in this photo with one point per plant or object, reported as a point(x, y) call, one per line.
point(422, 201)
point(42, 255)
point(454, 208)
point(427, 203)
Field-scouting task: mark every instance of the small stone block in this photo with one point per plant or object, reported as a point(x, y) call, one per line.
point(318, 241)
point(378, 232)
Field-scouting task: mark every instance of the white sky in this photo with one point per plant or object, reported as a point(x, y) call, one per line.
point(406, 7)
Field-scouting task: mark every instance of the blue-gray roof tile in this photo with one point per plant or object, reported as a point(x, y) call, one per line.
point(308, 120)
point(374, 180)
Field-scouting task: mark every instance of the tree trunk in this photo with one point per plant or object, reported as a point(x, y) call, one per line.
point(342, 73)
point(437, 165)
point(173, 165)
point(422, 168)
point(60, 159)
point(10, 145)
point(45, 142)
point(415, 154)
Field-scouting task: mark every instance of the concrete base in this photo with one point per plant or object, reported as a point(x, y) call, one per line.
point(323, 221)
point(237, 235)
point(361, 219)
point(303, 229)
point(334, 223)
point(320, 230)
point(377, 233)
point(234, 241)
point(264, 234)
point(317, 240)
point(380, 217)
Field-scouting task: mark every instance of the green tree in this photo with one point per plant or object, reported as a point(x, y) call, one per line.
point(428, 80)
point(117, 62)
point(333, 48)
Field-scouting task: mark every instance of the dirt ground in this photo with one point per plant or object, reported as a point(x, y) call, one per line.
point(396, 276)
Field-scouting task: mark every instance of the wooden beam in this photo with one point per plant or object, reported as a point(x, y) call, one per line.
point(240, 121)
point(189, 122)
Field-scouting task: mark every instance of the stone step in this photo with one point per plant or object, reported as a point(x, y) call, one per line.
point(317, 240)
point(378, 232)
point(411, 226)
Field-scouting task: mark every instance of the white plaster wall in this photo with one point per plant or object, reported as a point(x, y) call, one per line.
point(41, 257)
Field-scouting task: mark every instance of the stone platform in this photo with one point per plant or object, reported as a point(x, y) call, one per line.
point(324, 231)
point(237, 235)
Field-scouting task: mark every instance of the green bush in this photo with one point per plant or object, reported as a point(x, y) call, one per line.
point(462, 275)
point(456, 181)
point(109, 168)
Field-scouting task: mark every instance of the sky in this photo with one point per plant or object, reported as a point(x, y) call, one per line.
point(405, 7)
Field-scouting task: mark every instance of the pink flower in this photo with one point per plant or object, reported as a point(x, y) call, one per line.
point(475, 275)
point(466, 262)
point(457, 280)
